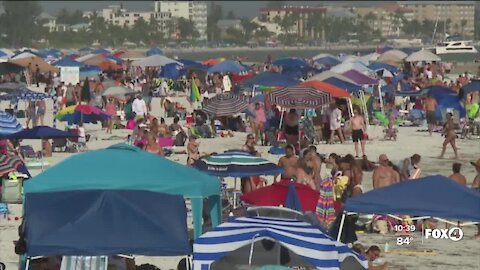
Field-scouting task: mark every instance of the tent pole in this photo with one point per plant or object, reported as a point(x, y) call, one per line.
point(340, 229)
point(251, 249)
point(27, 264)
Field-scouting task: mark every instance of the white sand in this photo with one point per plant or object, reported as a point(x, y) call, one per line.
point(464, 254)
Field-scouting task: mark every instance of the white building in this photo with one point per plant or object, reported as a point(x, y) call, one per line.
point(117, 15)
point(49, 21)
point(196, 11)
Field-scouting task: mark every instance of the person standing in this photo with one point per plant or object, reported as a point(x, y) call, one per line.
point(289, 163)
point(227, 84)
point(260, 119)
point(450, 136)
point(430, 108)
point(40, 115)
point(139, 107)
point(110, 109)
point(335, 123)
point(357, 124)
point(31, 114)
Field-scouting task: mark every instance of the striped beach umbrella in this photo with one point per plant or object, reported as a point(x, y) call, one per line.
point(225, 104)
point(24, 94)
point(314, 246)
point(9, 164)
point(237, 164)
point(11, 86)
point(8, 124)
point(299, 97)
point(76, 114)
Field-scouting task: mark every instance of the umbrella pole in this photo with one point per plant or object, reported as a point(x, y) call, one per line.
point(340, 228)
point(380, 97)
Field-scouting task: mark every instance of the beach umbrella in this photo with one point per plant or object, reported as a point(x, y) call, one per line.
point(41, 132)
point(349, 87)
point(33, 62)
point(190, 63)
point(269, 79)
point(237, 164)
point(384, 73)
point(346, 66)
point(67, 62)
point(329, 74)
point(359, 78)
point(11, 86)
point(299, 97)
point(101, 51)
point(24, 94)
point(292, 201)
point(213, 61)
point(379, 66)
point(118, 91)
point(225, 104)
point(472, 86)
point(322, 55)
point(276, 195)
point(154, 61)
point(327, 61)
point(9, 164)
point(154, 51)
point(334, 91)
point(8, 124)
point(227, 66)
point(237, 239)
point(294, 62)
point(423, 55)
point(392, 56)
point(76, 114)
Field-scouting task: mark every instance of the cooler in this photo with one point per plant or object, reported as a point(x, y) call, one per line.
point(12, 191)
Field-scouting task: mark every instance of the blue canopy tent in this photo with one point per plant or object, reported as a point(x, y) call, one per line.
point(154, 51)
point(435, 196)
point(227, 66)
point(101, 51)
point(349, 87)
point(472, 86)
point(41, 132)
point(67, 62)
point(85, 50)
point(379, 66)
point(190, 63)
point(171, 71)
point(105, 222)
point(269, 79)
point(106, 169)
point(311, 244)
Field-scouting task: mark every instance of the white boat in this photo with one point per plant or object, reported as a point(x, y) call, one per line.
point(458, 46)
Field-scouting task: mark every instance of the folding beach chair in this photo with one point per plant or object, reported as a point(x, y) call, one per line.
point(27, 151)
point(84, 263)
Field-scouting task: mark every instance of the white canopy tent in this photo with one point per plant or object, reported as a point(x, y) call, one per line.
point(423, 55)
point(155, 61)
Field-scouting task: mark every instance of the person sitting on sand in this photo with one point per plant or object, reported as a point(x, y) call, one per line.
point(46, 148)
point(383, 175)
point(152, 145)
point(409, 167)
point(457, 176)
point(249, 146)
point(289, 163)
point(372, 254)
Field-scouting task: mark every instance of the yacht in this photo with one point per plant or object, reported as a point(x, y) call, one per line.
point(458, 46)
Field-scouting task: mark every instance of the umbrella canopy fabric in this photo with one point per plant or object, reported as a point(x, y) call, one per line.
point(212, 61)
point(303, 239)
point(472, 86)
point(24, 94)
point(11, 86)
point(293, 201)
point(225, 104)
point(392, 55)
point(343, 67)
point(9, 164)
point(41, 132)
point(329, 74)
point(324, 86)
point(235, 164)
point(118, 91)
point(290, 62)
point(156, 60)
point(67, 62)
point(423, 55)
point(269, 79)
point(154, 51)
point(276, 195)
point(76, 114)
point(227, 66)
point(379, 66)
point(349, 87)
point(33, 62)
point(190, 63)
point(327, 61)
point(359, 77)
point(448, 199)
point(8, 124)
point(299, 97)
point(105, 222)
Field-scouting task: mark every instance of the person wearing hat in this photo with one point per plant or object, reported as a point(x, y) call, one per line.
point(139, 107)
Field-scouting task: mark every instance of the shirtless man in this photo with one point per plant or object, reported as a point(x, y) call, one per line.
point(430, 107)
point(383, 175)
point(316, 162)
point(289, 163)
point(457, 176)
point(357, 124)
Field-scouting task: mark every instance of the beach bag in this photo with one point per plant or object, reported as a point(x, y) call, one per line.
point(11, 191)
point(131, 124)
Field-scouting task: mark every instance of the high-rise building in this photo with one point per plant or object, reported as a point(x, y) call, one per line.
point(196, 11)
point(459, 15)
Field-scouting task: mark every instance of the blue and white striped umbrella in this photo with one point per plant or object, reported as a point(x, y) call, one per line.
point(303, 239)
point(24, 94)
point(9, 124)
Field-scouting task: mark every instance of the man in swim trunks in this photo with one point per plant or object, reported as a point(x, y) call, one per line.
point(357, 124)
point(289, 163)
point(430, 107)
point(383, 175)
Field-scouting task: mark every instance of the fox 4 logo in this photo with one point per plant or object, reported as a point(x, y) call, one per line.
point(455, 234)
point(2, 266)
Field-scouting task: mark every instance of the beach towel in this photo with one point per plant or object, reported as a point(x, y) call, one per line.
point(325, 211)
point(84, 263)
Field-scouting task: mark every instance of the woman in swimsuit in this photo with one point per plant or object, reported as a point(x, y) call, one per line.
point(152, 146)
point(305, 174)
point(163, 130)
point(450, 136)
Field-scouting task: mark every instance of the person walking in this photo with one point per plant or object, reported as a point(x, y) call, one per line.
point(450, 136)
point(357, 124)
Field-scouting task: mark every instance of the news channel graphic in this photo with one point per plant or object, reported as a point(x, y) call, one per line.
point(2, 266)
point(407, 234)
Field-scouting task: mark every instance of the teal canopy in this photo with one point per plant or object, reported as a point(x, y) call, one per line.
point(125, 167)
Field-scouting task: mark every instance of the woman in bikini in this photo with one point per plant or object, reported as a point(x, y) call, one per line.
point(152, 145)
point(305, 174)
point(450, 136)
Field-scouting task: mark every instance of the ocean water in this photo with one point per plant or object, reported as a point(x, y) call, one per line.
point(259, 55)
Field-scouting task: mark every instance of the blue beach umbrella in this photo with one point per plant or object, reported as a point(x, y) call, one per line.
point(290, 62)
point(227, 66)
point(269, 79)
point(8, 124)
point(24, 94)
point(154, 51)
point(41, 132)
